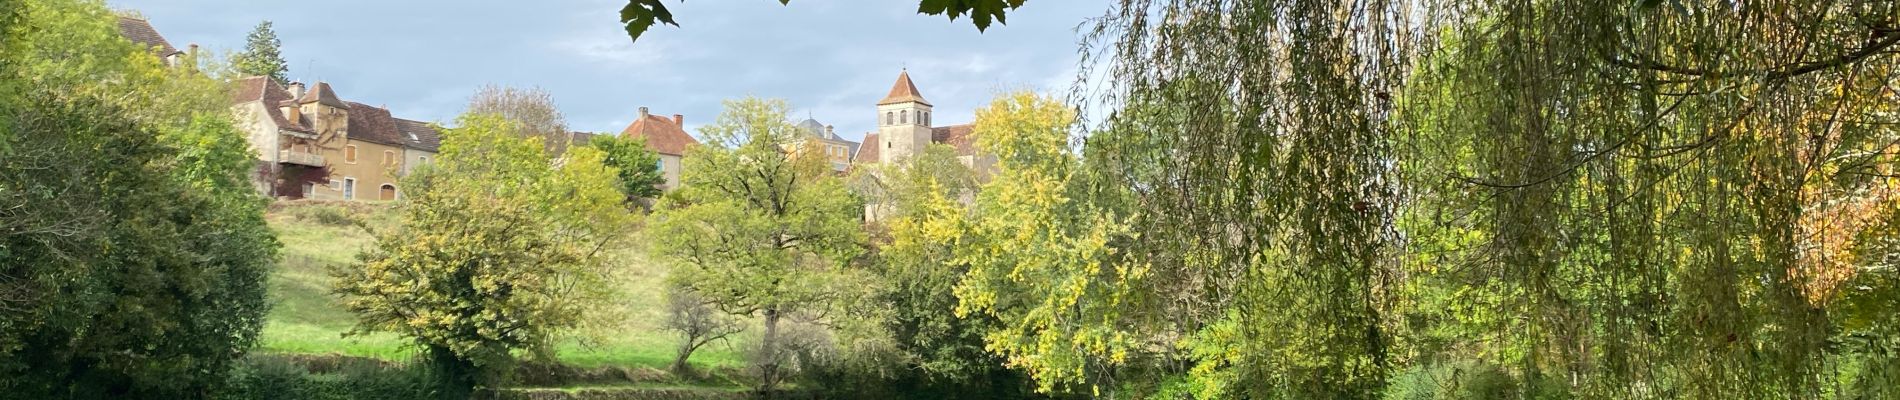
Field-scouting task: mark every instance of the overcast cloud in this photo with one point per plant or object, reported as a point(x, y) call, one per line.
point(832, 59)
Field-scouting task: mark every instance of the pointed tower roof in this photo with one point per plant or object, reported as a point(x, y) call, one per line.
point(903, 91)
point(322, 94)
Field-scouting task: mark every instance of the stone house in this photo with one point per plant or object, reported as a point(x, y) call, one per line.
point(666, 136)
point(823, 138)
point(312, 144)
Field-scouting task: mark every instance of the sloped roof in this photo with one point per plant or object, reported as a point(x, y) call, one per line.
point(323, 94)
point(262, 89)
point(961, 137)
point(374, 124)
point(903, 91)
point(867, 153)
point(662, 135)
point(419, 135)
point(577, 139)
point(141, 32)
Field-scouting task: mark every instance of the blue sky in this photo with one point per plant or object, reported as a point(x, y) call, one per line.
point(831, 59)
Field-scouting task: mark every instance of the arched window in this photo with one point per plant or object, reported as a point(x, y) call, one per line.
point(889, 119)
point(926, 121)
point(388, 192)
point(903, 117)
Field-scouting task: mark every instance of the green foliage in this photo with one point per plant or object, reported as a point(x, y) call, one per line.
point(133, 252)
point(761, 230)
point(639, 167)
point(499, 250)
point(639, 15)
point(281, 379)
point(263, 55)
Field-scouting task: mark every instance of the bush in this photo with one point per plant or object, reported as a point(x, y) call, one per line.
point(327, 215)
point(268, 377)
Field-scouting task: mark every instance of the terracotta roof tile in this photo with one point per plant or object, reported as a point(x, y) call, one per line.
point(868, 152)
point(262, 89)
point(323, 94)
point(140, 31)
point(961, 137)
point(903, 91)
point(663, 135)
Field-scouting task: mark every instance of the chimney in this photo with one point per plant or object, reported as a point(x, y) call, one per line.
point(296, 90)
point(291, 112)
point(193, 52)
point(643, 113)
point(679, 120)
point(829, 131)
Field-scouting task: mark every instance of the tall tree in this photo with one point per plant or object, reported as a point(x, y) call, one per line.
point(761, 230)
point(532, 110)
point(639, 166)
point(133, 251)
point(263, 55)
point(498, 249)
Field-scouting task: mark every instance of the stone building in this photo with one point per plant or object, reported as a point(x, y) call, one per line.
point(664, 136)
point(904, 130)
point(823, 138)
point(313, 144)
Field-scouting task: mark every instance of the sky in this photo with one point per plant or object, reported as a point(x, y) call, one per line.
point(832, 60)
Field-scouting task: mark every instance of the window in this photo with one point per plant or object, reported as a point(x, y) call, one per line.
point(926, 120)
point(308, 187)
point(903, 117)
point(349, 188)
point(349, 154)
point(389, 157)
point(422, 159)
point(387, 192)
point(888, 120)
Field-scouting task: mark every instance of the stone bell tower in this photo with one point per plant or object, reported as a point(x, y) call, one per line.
point(903, 122)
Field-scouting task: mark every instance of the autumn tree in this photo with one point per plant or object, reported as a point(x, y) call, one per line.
point(263, 55)
point(498, 249)
point(759, 229)
point(532, 110)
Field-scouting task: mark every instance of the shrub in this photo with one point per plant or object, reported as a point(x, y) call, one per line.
point(280, 378)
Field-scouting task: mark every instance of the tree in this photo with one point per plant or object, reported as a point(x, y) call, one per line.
point(133, 251)
point(639, 15)
point(263, 55)
point(532, 110)
point(697, 322)
point(498, 249)
point(639, 166)
point(761, 230)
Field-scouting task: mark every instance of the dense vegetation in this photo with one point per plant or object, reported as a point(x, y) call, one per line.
point(1282, 199)
point(133, 250)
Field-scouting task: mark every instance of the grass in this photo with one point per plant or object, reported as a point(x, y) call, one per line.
point(308, 319)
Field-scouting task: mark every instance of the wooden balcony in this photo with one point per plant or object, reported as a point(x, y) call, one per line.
point(299, 158)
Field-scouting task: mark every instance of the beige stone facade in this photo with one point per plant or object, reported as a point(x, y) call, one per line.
point(312, 144)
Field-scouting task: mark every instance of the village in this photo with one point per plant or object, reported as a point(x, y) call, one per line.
point(313, 144)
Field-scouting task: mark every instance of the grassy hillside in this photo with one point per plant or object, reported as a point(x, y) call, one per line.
point(307, 319)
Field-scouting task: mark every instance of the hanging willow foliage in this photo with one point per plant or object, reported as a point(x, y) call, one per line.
point(1649, 199)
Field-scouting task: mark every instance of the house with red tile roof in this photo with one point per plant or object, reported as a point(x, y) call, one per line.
point(313, 144)
point(666, 136)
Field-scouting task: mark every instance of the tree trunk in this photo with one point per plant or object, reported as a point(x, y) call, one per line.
point(680, 367)
point(455, 378)
point(768, 352)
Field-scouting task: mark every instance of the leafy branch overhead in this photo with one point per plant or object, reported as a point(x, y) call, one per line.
point(639, 15)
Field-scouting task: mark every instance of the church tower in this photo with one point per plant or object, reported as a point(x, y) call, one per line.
point(903, 122)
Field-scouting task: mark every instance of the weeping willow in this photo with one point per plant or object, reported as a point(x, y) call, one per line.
point(1649, 199)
